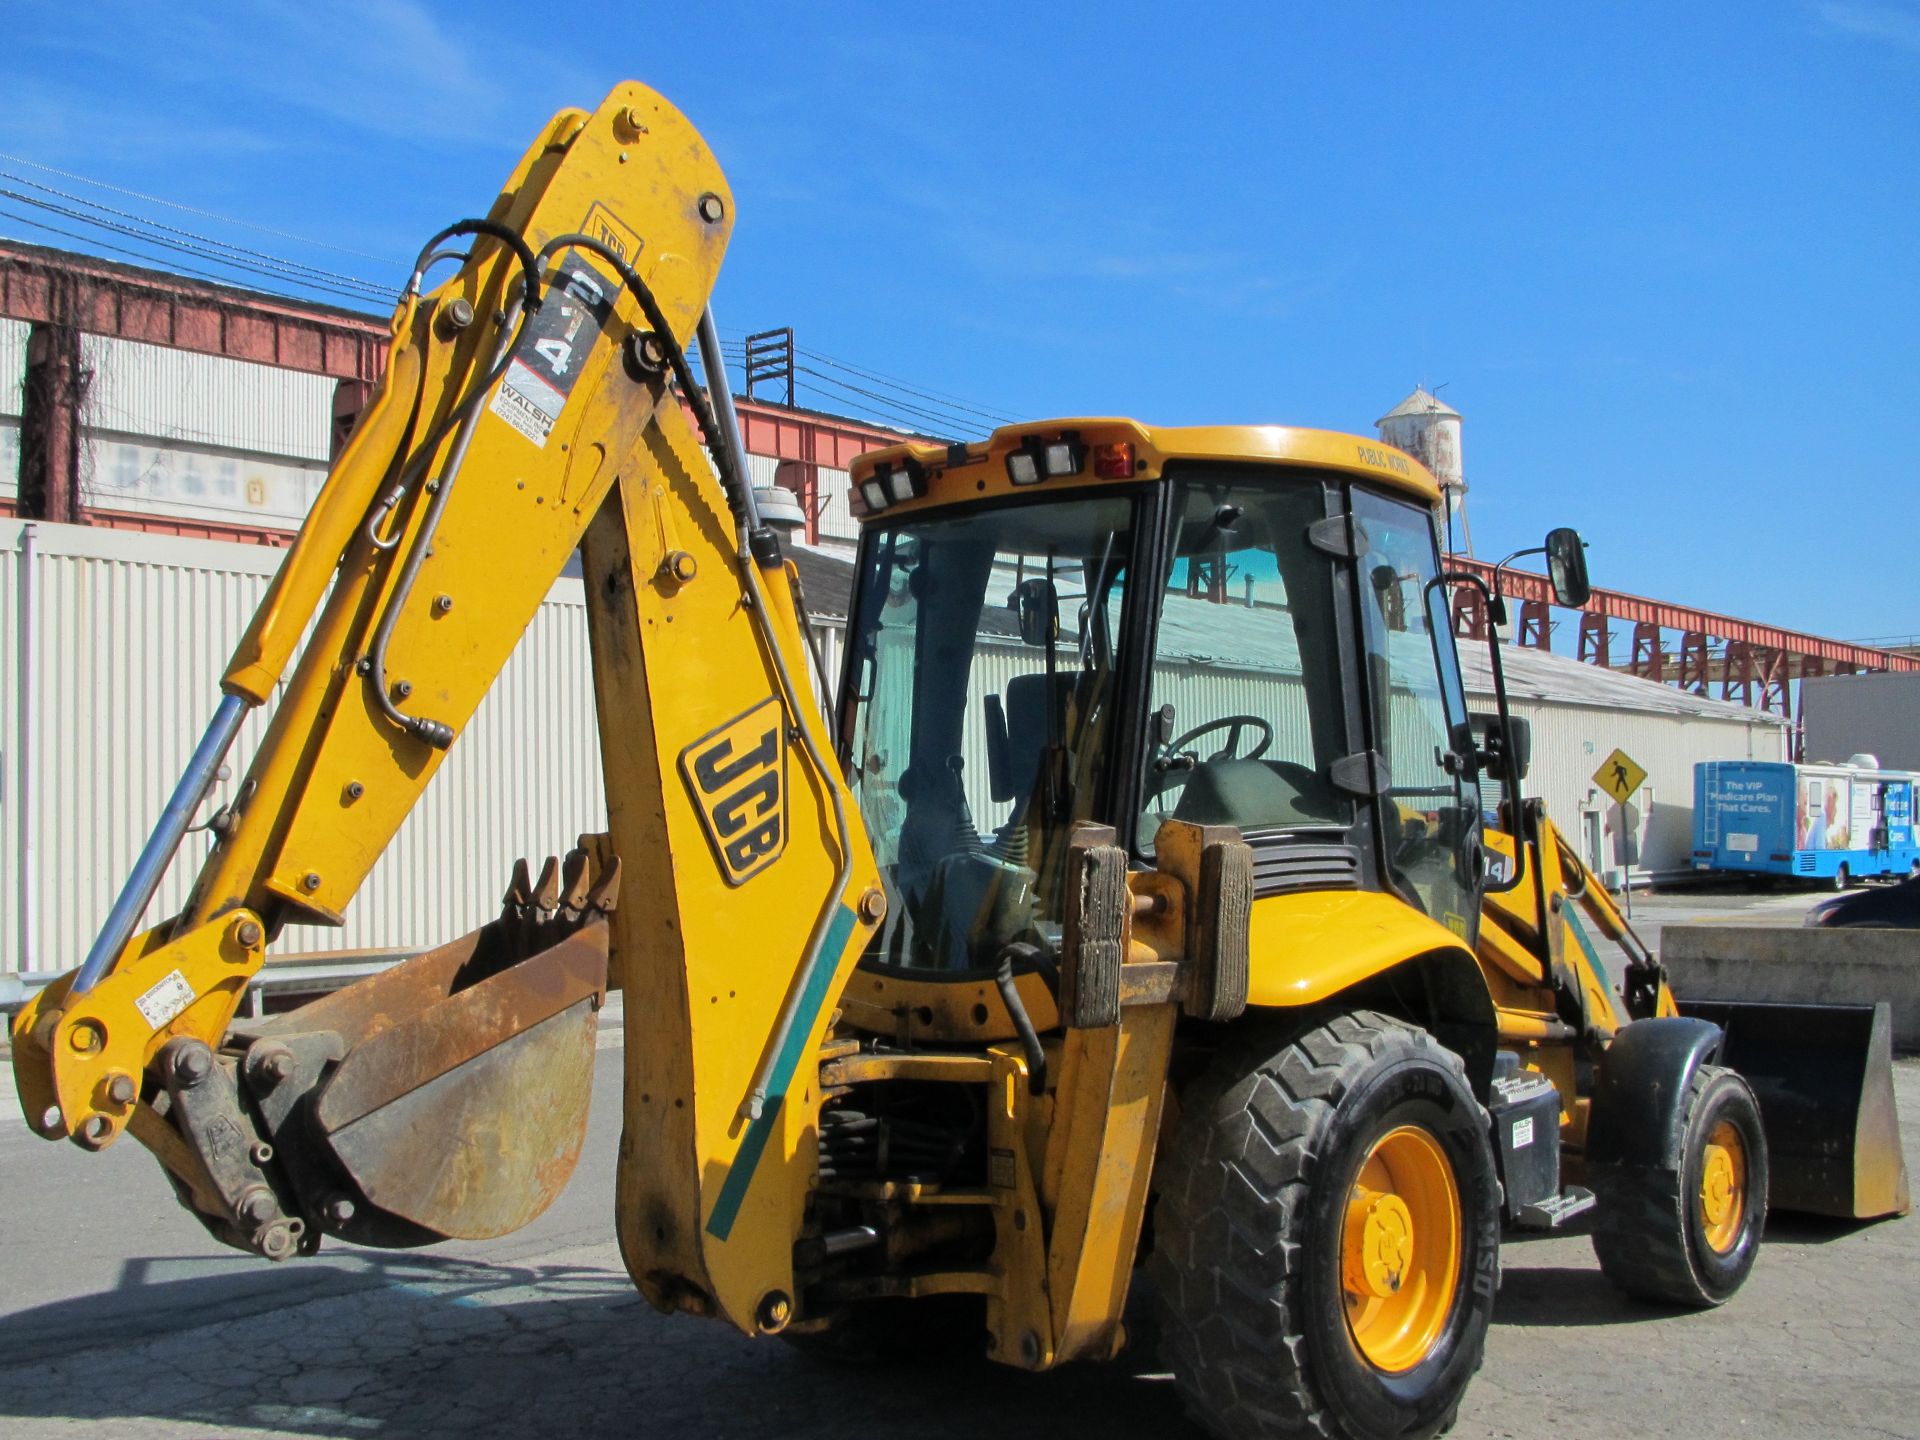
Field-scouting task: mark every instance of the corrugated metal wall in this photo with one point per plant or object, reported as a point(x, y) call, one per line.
point(127, 639)
point(176, 433)
point(150, 391)
point(836, 514)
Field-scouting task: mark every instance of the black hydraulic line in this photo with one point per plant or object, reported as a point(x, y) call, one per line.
point(436, 733)
point(373, 665)
point(1017, 1009)
point(676, 356)
point(493, 229)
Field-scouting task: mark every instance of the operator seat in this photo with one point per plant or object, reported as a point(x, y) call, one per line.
point(1256, 795)
point(1029, 731)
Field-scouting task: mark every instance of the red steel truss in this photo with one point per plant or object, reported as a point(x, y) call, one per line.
point(1680, 645)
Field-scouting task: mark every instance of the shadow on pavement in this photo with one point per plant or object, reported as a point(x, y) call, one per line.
point(1796, 1229)
point(1551, 1295)
point(421, 1345)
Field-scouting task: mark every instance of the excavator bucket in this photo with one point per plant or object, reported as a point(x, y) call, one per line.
point(1823, 1075)
point(445, 1098)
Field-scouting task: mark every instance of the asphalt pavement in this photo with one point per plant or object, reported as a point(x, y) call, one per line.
point(119, 1317)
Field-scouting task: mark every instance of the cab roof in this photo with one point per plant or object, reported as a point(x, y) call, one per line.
point(1115, 450)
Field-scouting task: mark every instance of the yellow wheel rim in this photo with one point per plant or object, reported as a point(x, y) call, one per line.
point(1400, 1249)
point(1723, 1187)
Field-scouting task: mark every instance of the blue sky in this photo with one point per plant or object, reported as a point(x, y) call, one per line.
point(1663, 257)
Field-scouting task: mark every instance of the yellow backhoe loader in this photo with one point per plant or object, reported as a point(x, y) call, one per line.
point(1136, 908)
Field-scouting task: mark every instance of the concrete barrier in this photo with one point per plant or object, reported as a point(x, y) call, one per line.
point(1795, 966)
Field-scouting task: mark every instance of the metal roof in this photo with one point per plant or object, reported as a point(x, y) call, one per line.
point(1421, 402)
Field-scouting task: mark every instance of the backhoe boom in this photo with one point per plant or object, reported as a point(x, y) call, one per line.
point(532, 409)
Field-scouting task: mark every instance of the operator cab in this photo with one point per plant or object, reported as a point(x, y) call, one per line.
point(1095, 621)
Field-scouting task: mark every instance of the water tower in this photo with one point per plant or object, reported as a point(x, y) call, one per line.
point(1428, 428)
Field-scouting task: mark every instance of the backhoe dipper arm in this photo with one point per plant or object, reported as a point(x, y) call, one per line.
point(529, 410)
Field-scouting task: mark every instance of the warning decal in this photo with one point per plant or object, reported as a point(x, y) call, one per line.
point(553, 349)
point(528, 403)
point(165, 1000)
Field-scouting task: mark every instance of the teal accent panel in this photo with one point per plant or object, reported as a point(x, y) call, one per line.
point(733, 1190)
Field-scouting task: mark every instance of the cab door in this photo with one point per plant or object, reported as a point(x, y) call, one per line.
point(1428, 804)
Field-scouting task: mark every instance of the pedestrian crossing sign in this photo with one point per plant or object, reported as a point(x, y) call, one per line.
point(1619, 775)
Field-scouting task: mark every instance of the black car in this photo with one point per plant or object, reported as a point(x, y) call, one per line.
point(1889, 907)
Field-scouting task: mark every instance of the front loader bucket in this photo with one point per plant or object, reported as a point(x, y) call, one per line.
point(1823, 1075)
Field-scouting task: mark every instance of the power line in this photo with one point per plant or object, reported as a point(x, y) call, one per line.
point(902, 402)
point(191, 210)
point(314, 270)
point(916, 416)
point(951, 400)
point(871, 414)
point(899, 398)
point(280, 273)
point(902, 406)
point(174, 266)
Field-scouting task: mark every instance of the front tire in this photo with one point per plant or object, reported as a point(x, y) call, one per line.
point(1689, 1236)
point(1327, 1235)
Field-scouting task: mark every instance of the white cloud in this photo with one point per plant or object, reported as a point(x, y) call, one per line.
point(1896, 25)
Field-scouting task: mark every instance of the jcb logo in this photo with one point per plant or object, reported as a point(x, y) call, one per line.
point(738, 778)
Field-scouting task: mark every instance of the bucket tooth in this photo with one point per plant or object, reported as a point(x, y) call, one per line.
point(519, 887)
point(546, 891)
point(605, 893)
point(575, 879)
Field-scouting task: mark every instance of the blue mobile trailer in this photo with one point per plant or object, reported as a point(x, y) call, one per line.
point(1836, 823)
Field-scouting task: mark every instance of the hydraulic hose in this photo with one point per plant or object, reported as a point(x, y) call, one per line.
point(1017, 1009)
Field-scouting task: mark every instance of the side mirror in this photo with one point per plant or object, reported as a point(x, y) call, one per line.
point(1515, 738)
point(1037, 604)
point(1567, 567)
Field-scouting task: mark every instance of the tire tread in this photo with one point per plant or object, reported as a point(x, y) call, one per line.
point(1640, 1226)
point(1231, 1190)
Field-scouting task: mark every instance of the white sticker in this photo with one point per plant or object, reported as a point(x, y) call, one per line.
point(528, 402)
point(1522, 1132)
point(1743, 842)
point(166, 1000)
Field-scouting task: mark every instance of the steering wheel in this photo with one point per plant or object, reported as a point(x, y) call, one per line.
point(1233, 724)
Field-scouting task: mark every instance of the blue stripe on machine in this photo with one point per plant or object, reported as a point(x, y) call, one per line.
point(1586, 945)
point(733, 1190)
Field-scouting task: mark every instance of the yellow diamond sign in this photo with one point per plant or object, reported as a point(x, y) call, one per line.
point(1619, 775)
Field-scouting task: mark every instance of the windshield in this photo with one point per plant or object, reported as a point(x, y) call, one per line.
point(983, 684)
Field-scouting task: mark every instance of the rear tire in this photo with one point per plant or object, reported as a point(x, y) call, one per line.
point(1279, 1314)
point(1689, 1236)
point(1842, 877)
